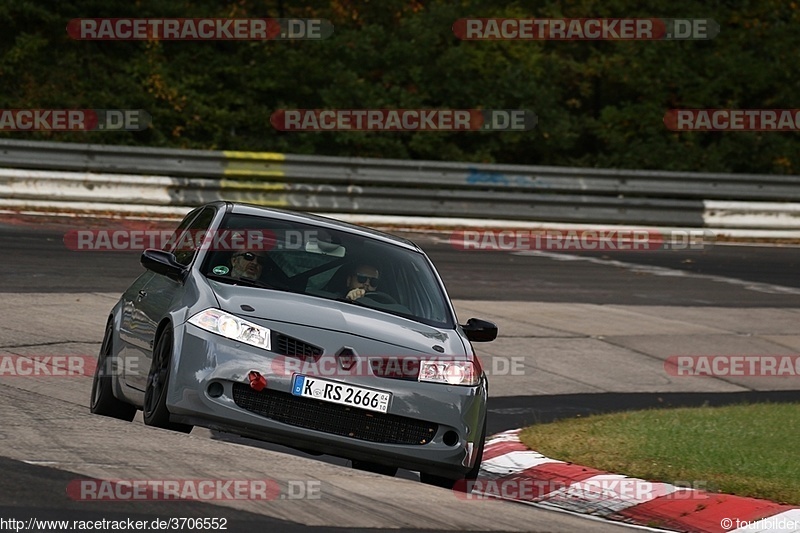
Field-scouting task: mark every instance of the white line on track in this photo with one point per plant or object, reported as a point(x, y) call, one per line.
point(767, 288)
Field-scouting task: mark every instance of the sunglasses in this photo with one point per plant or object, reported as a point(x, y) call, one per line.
point(363, 278)
point(250, 257)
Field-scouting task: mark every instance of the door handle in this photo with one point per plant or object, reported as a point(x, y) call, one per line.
point(142, 294)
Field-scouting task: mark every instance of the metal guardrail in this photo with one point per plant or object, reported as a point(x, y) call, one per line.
point(66, 172)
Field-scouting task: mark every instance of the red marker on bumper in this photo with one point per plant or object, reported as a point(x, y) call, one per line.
point(257, 381)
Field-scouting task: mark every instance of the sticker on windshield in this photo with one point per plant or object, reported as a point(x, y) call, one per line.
point(220, 270)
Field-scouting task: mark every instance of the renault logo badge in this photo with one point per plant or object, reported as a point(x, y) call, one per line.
point(346, 357)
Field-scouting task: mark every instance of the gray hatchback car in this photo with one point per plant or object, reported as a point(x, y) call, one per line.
point(303, 331)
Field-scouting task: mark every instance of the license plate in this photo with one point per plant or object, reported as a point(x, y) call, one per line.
point(335, 392)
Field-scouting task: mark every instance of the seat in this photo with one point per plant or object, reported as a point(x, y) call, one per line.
point(338, 282)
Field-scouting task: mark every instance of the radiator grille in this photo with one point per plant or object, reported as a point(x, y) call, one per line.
point(333, 418)
point(286, 345)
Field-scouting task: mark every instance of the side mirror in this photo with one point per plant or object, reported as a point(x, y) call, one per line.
point(164, 263)
point(478, 330)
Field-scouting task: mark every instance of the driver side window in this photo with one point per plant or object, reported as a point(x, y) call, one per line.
point(187, 240)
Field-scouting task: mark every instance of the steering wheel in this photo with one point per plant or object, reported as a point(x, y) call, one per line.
point(380, 297)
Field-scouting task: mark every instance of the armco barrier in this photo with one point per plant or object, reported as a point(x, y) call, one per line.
point(38, 173)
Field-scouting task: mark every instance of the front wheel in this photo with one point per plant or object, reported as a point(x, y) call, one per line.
point(154, 411)
point(437, 481)
point(103, 402)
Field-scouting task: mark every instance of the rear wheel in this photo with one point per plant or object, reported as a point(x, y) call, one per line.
point(154, 411)
point(390, 471)
point(103, 402)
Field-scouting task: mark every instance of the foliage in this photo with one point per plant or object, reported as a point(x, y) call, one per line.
point(599, 104)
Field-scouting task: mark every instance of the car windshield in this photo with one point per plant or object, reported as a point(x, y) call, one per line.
point(274, 254)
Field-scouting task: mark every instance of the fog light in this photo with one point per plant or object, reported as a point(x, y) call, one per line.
point(450, 438)
point(215, 390)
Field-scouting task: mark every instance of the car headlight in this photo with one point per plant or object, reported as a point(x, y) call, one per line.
point(232, 327)
point(450, 372)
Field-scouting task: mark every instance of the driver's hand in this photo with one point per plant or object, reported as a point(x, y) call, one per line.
point(355, 294)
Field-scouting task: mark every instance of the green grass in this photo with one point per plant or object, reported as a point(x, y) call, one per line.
point(748, 450)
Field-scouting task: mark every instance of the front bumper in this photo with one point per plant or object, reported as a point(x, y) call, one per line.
point(428, 427)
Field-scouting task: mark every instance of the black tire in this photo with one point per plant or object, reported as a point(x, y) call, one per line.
point(461, 484)
point(103, 402)
point(438, 481)
point(375, 468)
point(154, 410)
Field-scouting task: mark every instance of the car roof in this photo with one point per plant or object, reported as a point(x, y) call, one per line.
point(318, 220)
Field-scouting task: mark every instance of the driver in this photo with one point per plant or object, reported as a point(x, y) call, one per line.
point(247, 265)
point(362, 279)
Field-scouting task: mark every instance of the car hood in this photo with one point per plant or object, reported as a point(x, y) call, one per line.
point(310, 311)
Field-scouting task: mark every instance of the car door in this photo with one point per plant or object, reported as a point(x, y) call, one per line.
point(154, 301)
point(133, 330)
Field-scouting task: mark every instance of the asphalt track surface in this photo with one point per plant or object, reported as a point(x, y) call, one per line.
point(36, 261)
